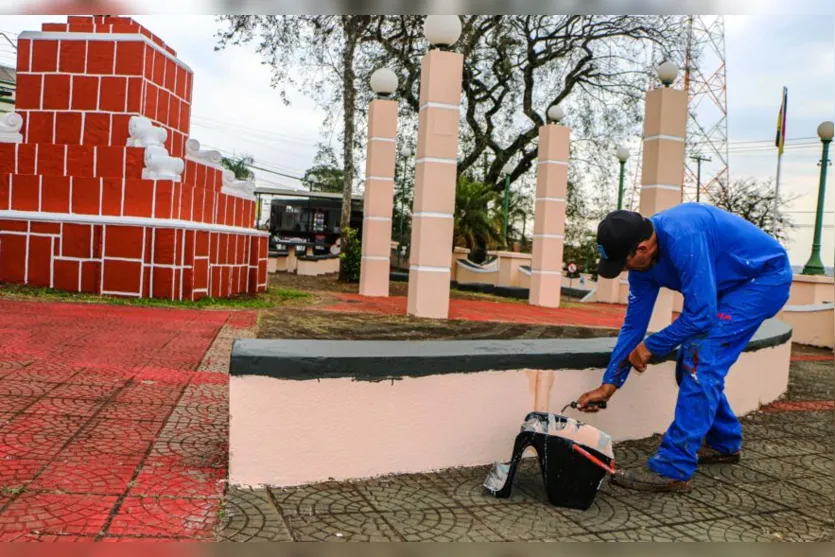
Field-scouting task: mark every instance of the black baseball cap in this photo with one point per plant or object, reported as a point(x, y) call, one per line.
point(617, 236)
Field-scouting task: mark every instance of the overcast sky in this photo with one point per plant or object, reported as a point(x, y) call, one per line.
point(235, 109)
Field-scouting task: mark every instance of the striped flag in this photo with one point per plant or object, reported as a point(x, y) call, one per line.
point(780, 142)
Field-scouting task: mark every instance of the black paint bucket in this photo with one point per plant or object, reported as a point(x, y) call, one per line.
point(574, 459)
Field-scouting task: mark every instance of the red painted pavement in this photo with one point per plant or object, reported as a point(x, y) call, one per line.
point(94, 397)
point(590, 315)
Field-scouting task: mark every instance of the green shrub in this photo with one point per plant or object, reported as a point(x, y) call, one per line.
point(351, 257)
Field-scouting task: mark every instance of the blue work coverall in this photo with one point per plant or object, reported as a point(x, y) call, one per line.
point(733, 276)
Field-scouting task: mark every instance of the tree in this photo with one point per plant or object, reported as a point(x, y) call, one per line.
point(239, 165)
point(753, 200)
point(324, 178)
point(515, 67)
point(323, 49)
point(477, 225)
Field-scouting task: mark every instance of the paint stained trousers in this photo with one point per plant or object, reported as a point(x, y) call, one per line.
point(702, 410)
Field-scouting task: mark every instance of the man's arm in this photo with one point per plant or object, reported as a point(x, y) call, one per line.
point(693, 259)
point(642, 295)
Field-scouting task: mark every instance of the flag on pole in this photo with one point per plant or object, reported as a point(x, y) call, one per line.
point(781, 122)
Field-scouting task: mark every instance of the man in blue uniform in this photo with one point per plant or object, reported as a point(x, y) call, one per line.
point(733, 276)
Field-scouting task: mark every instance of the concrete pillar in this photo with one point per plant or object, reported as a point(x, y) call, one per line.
point(662, 174)
point(549, 223)
point(435, 182)
point(379, 198)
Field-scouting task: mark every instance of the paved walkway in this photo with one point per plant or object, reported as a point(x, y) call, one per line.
point(114, 425)
point(105, 429)
point(590, 315)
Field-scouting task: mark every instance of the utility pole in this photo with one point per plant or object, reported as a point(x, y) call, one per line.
point(699, 159)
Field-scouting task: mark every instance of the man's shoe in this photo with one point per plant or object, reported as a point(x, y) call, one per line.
point(644, 479)
point(709, 455)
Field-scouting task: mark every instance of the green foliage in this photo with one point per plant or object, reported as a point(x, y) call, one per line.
point(324, 178)
point(476, 224)
point(351, 256)
point(239, 165)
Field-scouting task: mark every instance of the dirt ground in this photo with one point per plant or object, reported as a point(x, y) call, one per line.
point(297, 321)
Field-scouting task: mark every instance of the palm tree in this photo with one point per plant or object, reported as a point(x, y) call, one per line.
point(240, 166)
point(476, 223)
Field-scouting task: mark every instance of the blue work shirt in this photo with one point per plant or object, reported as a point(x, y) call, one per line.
point(704, 252)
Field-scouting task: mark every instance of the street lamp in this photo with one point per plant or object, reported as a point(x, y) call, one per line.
point(442, 30)
point(667, 73)
point(815, 266)
point(556, 113)
point(507, 169)
point(405, 153)
point(622, 155)
point(384, 82)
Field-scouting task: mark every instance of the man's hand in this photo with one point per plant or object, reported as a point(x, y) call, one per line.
point(639, 358)
point(600, 394)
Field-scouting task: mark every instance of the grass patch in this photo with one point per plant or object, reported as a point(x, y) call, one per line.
point(17, 490)
point(273, 297)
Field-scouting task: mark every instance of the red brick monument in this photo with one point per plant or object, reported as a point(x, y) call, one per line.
point(101, 188)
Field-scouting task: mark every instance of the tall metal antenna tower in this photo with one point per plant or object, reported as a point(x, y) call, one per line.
point(705, 80)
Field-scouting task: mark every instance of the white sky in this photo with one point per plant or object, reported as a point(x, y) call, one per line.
point(235, 109)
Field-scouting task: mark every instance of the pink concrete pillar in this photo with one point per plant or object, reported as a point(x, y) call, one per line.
point(435, 182)
point(379, 198)
point(549, 219)
point(662, 174)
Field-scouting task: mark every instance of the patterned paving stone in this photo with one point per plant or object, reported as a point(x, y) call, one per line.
point(723, 530)
point(466, 487)
point(732, 502)
point(129, 411)
point(31, 446)
point(668, 508)
point(822, 463)
point(200, 446)
point(389, 495)
point(15, 473)
point(40, 513)
point(165, 481)
point(788, 495)
point(14, 404)
point(249, 515)
point(657, 534)
point(84, 392)
point(607, 514)
point(785, 447)
point(26, 389)
point(65, 406)
point(785, 468)
point(159, 395)
point(359, 527)
point(440, 525)
point(736, 474)
point(152, 516)
point(824, 514)
point(822, 485)
point(789, 526)
point(318, 499)
point(526, 522)
point(81, 476)
point(49, 425)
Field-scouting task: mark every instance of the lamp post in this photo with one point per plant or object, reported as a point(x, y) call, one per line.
point(667, 73)
point(815, 266)
point(622, 155)
point(405, 153)
point(507, 169)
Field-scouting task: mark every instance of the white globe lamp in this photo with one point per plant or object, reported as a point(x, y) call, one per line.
point(442, 30)
point(384, 82)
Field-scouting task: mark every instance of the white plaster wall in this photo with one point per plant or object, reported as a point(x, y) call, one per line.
point(287, 433)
